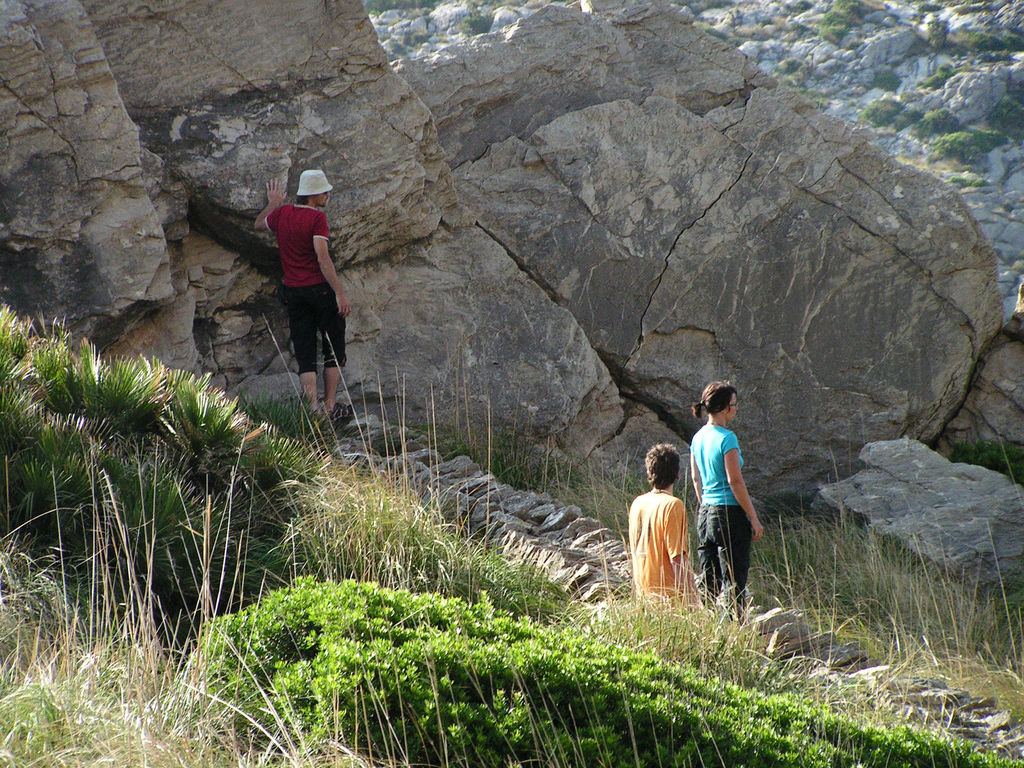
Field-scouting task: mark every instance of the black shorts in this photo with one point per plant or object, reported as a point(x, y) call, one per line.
point(314, 309)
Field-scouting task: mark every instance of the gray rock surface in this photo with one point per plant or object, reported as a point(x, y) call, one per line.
point(886, 54)
point(232, 93)
point(642, 210)
point(966, 518)
point(452, 324)
point(747, 250)
point(79, 237)
point(994, 409)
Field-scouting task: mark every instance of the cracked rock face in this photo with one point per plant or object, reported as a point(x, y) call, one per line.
point(701, 224)
point(231, 94)
point(965, 517)
point(501, 351)
point(994, 409)
point(79, 237)
point(640, 211)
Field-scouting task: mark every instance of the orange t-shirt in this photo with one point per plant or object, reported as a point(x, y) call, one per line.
point(657, 533)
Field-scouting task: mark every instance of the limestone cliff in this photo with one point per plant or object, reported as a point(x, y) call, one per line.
point(570, 225)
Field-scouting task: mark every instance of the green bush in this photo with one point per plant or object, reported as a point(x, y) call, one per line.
point(967, 146)
point(1001, 457)
point(476, 23)
point(908, 118)
point(886, 80)
point(882, 112)
point(967, 181)
point(434, 681)
point(937, 32)
point(978, 41)
point(936, 122)
point(1008, 118)
point(840, 19)
point(144, 479)
point(938, 78)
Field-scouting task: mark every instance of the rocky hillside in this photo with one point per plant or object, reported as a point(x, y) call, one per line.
point(940, 82)
point(569, 225)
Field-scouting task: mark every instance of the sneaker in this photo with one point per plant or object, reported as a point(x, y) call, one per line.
point(340, 413)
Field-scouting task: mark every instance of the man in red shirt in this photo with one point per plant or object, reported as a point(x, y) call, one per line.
point(313, 294)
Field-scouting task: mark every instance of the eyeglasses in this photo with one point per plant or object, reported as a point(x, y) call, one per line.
point(734, 405)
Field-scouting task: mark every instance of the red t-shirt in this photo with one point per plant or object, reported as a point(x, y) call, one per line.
point(295, 227)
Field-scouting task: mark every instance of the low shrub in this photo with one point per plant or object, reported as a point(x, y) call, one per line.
point(937, 32)
point(938, 78)
point(143, 480)
point(908, 118)
point(476, 23)
point(975, 40)
point(1001, 457)
point(886, 80)
point(935, 122)
point(967, 146)
point(427, 680)
point(840, 19)
point(1008, 118)
point(882, 112)
point(791, 66)
point(967, 181)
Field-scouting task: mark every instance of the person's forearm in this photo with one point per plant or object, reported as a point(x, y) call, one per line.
point(329, 272)
point(739, 490)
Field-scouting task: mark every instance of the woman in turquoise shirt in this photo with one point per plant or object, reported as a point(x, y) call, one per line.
point(726, 520)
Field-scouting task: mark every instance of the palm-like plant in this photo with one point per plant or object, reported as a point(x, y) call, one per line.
point(149, 480)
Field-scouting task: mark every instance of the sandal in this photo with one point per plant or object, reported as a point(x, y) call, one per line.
point(341, 412)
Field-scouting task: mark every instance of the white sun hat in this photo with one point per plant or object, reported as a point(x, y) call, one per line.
point(313, 183)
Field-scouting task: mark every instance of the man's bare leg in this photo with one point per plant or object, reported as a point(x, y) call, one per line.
point(308, 382)
point(332, 377)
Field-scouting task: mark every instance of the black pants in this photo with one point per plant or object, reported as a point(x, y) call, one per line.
point(314, 309)
point(723, 549)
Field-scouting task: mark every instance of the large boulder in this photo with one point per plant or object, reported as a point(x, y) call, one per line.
point(79, 237)
point(967, 518)
point(451, 326)
point(994, 408)
point(233, 93)
point(701, 223)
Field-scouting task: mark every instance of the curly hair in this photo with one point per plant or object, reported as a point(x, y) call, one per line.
point(662, 464)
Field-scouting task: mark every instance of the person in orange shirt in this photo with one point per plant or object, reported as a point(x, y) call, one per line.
point(658, 532)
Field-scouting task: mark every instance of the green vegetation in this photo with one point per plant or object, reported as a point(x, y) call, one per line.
point(137, 477)
point(791, 66)
point(937, 33)
point(886, 80)
point(379, 6)
point(476, 23)
point(882, 112)
point(974, 40)
point(935, 122)
point(1008, 118)
point(1001, 457)
point(939, 77)
point(967, 181)
point(967, 146)
point(840, 19)
point(360, 664)
point(890, 112)
point(193, 500)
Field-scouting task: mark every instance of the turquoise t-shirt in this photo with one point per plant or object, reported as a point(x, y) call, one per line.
point(709, 447)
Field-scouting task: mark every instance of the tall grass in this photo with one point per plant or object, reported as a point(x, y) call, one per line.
point(903, 610)
point(132, 487)
point(150, 472)
point(355, 526)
